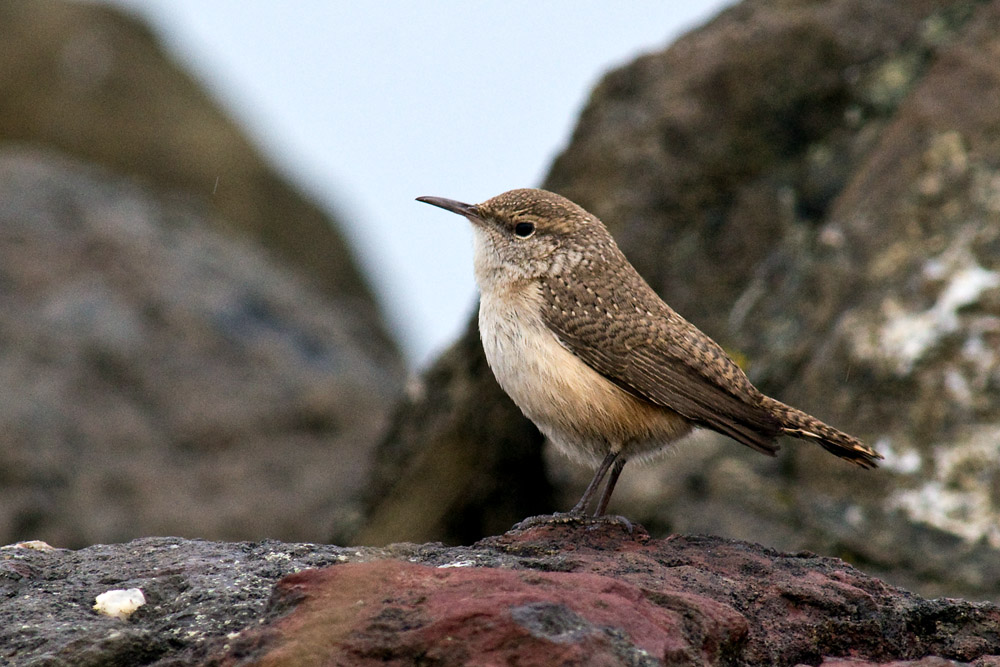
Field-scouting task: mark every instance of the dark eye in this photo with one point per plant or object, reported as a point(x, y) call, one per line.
point(524, 229)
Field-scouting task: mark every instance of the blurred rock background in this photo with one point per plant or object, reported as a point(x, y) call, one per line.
point(815, 185)
point(188, 346)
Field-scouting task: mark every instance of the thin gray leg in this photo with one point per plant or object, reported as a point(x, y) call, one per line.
point(602, 470)
point(609, 489)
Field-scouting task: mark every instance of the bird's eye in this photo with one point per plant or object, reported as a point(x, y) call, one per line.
point(524, 229)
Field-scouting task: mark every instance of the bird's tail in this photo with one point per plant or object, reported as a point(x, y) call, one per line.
point(798, 424)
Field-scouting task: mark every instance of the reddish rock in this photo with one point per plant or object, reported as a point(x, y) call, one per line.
point(588, 592)
point(395, 610)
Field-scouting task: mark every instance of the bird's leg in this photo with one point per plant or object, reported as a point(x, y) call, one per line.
point(609, 489)
point(602, 470)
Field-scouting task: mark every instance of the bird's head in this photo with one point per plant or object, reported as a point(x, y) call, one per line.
point(526, 234)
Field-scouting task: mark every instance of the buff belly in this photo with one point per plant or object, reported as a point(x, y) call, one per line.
point(585, 415)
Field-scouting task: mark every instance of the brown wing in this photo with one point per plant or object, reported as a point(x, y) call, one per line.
point(624, 331)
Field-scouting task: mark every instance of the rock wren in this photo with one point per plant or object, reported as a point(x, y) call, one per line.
point(590, 353)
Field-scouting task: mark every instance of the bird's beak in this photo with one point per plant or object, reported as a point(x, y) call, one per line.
point(468, 210)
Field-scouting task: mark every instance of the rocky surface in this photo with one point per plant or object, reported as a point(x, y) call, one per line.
point(816, 186)
point(569, 592)
point(162, 378)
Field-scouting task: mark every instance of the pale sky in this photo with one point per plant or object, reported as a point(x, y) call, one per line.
point(367, 105)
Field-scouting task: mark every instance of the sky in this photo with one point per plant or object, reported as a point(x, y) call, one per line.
point(367, 105)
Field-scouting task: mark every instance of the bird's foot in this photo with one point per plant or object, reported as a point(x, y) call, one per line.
point(559, 518)
point(615, 520)
point(574, 517)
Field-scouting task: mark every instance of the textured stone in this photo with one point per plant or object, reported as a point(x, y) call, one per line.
point(567, 592)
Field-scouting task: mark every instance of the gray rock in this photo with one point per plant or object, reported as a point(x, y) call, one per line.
point(163, 378)
point(195, 591)
point(815, 186)
point(89, 80)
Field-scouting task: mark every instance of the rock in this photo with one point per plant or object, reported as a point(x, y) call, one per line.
point(563, 592)
point(815, 186)
point(163, 378)
point(89, 80)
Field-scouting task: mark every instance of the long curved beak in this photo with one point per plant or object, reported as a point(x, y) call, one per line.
point(468, 210)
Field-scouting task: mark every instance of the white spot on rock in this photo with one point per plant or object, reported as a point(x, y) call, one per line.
point(906, 337)
point(957, 497)
point(854, 516)
point(903, 461)
point(37, 545)
point(119, 603)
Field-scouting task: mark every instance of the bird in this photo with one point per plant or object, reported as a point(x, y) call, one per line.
point(591, 354)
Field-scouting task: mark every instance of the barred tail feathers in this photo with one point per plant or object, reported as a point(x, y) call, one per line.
point(798, 424)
